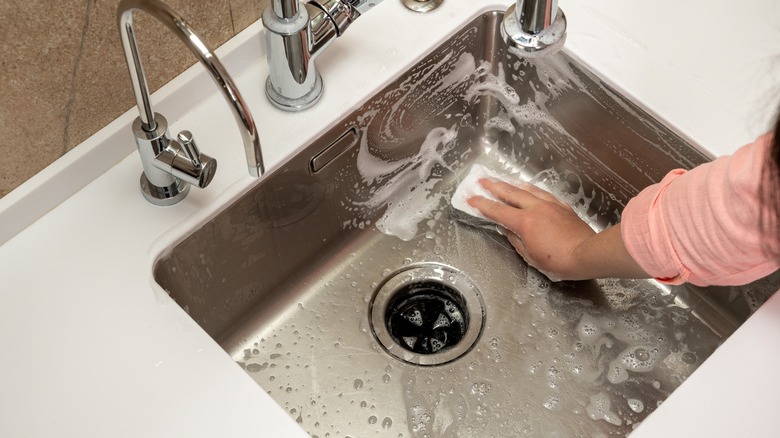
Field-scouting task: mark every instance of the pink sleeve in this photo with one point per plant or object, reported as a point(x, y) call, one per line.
point(701, 226)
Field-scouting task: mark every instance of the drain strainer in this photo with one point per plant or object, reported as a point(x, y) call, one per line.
point(427, 314)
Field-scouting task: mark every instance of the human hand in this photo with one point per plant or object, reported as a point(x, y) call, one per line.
point(543, 230)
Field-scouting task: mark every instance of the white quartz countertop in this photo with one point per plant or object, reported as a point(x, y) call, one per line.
point(92, 347)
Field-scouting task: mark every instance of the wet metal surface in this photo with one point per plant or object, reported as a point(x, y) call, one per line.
point(284, 277)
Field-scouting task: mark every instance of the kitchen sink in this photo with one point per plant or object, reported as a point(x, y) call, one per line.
point(346, 286)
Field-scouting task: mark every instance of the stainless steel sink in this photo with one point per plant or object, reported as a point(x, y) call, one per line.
point(344, 285)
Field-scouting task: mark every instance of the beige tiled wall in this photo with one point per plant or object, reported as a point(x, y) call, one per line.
point(63, 74)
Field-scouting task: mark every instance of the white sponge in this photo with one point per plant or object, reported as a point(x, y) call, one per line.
point(470, 187)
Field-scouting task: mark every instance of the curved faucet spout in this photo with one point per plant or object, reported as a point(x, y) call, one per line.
point(182, 30)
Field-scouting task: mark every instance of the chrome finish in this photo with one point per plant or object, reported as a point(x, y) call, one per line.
point(168, 162)
point(190, 148)
point(536, 15)
point(286, 9)
point(422, 6)
point(294, 263)
point(170, 166)
point(294, 37)
point(362, 6)
point(534, 27)
point(164, 195)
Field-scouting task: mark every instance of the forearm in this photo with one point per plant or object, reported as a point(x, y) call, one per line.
point(702, 226)
point(605, 255)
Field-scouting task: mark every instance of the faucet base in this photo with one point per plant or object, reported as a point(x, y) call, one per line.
point(533, 45)
point(297, 104)
point(422, 6)
point(164, 196)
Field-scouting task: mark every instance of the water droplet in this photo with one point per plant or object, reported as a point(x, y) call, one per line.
point(358, 384)
point(552, 403)
point(255, 367)
point(372, 419)
point(689, 358)
point(636, 405)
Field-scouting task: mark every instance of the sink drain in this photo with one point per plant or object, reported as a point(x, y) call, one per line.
point(427, 314)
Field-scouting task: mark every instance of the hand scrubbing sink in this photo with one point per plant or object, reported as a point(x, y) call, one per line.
point(466, 214)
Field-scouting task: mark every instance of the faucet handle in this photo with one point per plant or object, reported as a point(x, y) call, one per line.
point(189, 147)
point(189, 164)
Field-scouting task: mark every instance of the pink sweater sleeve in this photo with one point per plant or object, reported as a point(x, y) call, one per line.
point(701, 226)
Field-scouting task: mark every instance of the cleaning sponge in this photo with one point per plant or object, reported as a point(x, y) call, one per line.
point(470, 187)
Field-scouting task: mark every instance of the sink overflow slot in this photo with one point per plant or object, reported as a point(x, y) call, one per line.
point(330, 153)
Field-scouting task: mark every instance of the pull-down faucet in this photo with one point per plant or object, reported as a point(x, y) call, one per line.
point(295, 34)
point(534, 27)
point(172, 165)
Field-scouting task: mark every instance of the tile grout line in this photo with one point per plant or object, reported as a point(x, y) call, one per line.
point(77, 63)
point(232, 20)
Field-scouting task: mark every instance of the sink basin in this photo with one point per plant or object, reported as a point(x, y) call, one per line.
point(345, 285)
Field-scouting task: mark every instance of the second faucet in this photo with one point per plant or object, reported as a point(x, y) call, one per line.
point(295, 34)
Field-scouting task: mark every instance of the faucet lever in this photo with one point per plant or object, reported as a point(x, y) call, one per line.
point(189, 147)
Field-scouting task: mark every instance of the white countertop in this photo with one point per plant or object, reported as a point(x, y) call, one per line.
point(91, 346)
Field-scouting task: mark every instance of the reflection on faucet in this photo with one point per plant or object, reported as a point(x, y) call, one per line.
point(172, 165)
point(295, 34)
point(534, 27)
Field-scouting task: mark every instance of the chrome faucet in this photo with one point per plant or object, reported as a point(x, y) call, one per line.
point(295, 34)
point(172, 165)
point(534, 27)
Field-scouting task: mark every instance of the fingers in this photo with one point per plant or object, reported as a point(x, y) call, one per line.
point(498, 212)
point(512, 195)
point(523, 196)
point(540, 193)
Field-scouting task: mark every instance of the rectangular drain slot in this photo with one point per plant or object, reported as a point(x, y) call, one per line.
point(342, 144)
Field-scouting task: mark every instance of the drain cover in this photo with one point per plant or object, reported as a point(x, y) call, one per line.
point(426, 318)
point(427, 314)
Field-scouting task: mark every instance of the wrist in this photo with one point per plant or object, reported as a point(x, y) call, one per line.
point(583, 261)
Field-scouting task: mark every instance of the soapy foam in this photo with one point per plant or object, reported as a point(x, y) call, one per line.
point(408, 184)
point(409, 195)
